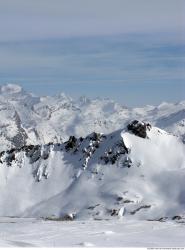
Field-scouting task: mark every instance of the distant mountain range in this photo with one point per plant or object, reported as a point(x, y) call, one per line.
point(29, 119)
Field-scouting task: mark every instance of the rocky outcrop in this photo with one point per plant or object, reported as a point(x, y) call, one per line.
point(96, 147)
point(106, 148)
point(139, 128)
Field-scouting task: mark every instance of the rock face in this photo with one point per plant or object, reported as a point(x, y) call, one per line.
point(83, 149)
point(139, 128)
point(114, 149)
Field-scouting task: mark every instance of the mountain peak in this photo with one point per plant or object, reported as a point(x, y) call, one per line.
point(10, 89)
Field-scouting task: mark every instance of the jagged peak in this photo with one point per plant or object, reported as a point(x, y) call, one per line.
point(84, 100)
point(10, 88)
point(64, 96)
point(139, 128)
point(164, 105)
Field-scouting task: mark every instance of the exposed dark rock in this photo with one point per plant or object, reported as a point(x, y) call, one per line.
point(33, 152)
point(1, 154)
point(66, 217)
point(85, 147)
point(139, 128)
point(177, 217)
point(119, 198)
point(96, 145)
point(113, 154)
point(114, 212)
point(127, 162)
point(11, 151)
point(128, 201)
point(93, 207)
point(71, 143)
point(95, 136)
point(11, 158)
point(45, 155)
point(28, 148)
point(161, 219)
point(105, 159)
point(139, 208)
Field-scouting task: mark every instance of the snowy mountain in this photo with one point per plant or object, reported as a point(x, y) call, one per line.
point(136, 172)
point(90, 159)
point(28, 119)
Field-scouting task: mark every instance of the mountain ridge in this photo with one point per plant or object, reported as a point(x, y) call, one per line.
point(122, 174)
point(53, 119)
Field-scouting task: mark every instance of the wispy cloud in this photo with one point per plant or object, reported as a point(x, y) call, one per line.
point(43, 19)
point(125, 49)
point(114, 65)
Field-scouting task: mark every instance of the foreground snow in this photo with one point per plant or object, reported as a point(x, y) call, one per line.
point(114, 233)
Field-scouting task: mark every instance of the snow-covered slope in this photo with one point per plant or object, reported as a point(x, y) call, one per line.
point(28, 119)
point(31, 232)
point(135, 172)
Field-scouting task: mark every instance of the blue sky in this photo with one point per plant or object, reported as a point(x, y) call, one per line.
point(128, 50)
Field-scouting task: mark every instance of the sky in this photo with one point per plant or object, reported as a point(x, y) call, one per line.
point(132, 51)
